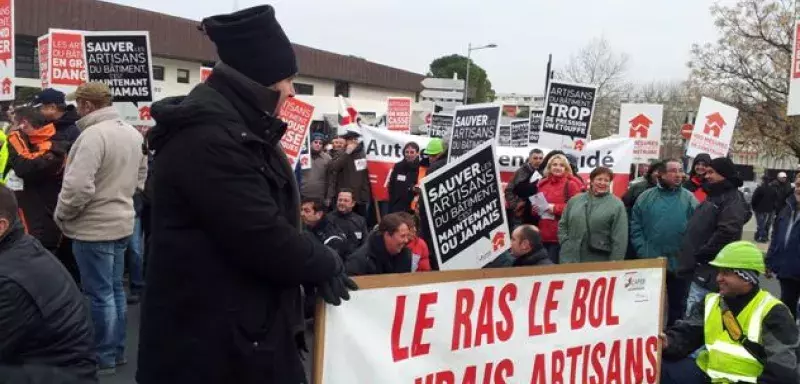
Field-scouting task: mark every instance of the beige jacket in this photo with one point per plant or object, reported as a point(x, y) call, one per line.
point(104, 168)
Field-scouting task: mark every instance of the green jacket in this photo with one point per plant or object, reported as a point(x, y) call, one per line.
point(609, 229)
point(658, 222)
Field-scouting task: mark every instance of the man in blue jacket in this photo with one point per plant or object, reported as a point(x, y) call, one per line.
point(658, 220)
point(783, 257)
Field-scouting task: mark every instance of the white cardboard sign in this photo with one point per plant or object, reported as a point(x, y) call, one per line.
point(642, 122)
point(713, 129)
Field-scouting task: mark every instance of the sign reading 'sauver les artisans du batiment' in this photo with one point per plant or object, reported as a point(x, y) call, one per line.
point(123, 61)
point(473, 125)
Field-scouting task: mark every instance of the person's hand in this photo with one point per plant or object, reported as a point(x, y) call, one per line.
point(351, 147)
point(664, 340)
point(336, 289)
point(550, 208)
point(769, 274)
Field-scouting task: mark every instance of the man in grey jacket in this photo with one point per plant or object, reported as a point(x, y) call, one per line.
point(95, 208)
point(316, 179)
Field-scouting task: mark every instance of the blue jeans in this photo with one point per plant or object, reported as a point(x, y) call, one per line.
point(683, 371)
point(763, 223)
point(697, 294)
point(136, 266)
point(101, 264)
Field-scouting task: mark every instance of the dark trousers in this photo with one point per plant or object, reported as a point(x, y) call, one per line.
point(683, 371)
point(553, 250)
point(790, 293)
point(763, 224)
point(677, 290)
point(64, 254)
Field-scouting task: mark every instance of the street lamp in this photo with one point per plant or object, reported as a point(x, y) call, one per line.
point(470, 48)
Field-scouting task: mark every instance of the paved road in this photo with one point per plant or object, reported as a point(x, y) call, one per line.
point(125, 375)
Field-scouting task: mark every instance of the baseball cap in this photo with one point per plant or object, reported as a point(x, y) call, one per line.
point(49, 96)
point(782, 174)
point(94, 91)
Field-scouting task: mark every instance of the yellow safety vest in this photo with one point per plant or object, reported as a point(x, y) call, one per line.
point(3, 156)
point(725, 360)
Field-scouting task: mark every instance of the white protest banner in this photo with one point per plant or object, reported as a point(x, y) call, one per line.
point(398, 114)
point(567, 116)
point(7, 50)
point(574, 323)
point(43, 44)
point(440, 126)
point(520, 133)
point(67, 61)
point(473, 125)
point(121, 60)
point(793, 102)
point(713, 129)
point(642, 122)
point(535, 125)
point(466, 214)
point(384, 149)
point(297, 115)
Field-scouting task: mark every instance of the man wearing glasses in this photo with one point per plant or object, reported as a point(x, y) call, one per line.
point(315, 180)
point(658, 221)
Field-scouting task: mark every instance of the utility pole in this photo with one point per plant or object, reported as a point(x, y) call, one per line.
point(549, 74)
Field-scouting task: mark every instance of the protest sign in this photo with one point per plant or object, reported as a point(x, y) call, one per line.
point(67, 62)
point(472, 126)
point(466, 215)
point(43, 44)
point(7, 50)
point(305, 154)
point(642, 123)
point(504, 136)
point(520, 133)
point(535, 125)
point(567, 115)
point(122, 60)
point(793, 100)
point(297, 115)
point(398, 114)
point(713, 129)
point(574, 323)
point(385, 148)
point(440, 125)
point(205, 72)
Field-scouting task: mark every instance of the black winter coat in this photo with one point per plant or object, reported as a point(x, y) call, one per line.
point(45, 327)
point(353, 225)
point(783, 191)
point(228, 254)
point(765, 199)
point(349, 170)
point(373, 259)
point(717, 222)
point(328, 233)
point(403, 180)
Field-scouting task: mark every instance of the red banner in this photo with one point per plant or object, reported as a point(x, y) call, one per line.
point(398, 114)
point(67, 59)
point(44, 60)
point(205, 72)
point(297, 115)
point(6, 30)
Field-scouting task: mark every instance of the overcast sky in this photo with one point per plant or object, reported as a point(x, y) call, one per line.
point(409, 34)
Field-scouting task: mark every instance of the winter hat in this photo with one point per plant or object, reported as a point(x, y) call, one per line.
point(318, 136)
point(253, 42)
point(725, 167)
point(747, 275)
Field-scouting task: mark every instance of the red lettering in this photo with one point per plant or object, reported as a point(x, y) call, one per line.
point(614, 364)
point(538, 376)
point(557, 367)
point(418, 348)
point(551, 305)
point(462, 325)
point(533, 328)
point(485, 327)
point(445, 377)
point(586, 356)
point(596, 307)
point(573, 354)
point(634, 364)
point(505, 327)
point(470, 375)
point(398, 353)
point(598, 353)
point(578, 313)
point(612, 319)
point(651, 349)
point(504, 371)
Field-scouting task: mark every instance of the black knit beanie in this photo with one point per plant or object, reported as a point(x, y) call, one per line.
point(253, 42)
point(724, 166)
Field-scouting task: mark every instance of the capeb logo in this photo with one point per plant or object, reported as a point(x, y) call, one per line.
point(633, 281)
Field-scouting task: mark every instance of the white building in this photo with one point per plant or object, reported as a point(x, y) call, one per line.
point(537, 101)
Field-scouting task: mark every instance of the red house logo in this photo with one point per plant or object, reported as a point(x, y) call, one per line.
point(499, 241)
point(640, 126)
point(714, 124)
point(6, 86)
point(144, 113)
point(579, 144)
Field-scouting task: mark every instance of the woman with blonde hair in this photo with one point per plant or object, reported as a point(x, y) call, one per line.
point(557, 187)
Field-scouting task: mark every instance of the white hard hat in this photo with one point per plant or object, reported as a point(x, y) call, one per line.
point(782, 174)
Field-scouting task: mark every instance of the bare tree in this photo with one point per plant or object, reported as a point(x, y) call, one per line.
point(598, 64)
point(748, 67)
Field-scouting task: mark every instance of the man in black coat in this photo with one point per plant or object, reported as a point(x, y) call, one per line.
point(353, 224)
point(403, 178)
point(223, 300)
point(45, 327)
point(764, 201)
point(385, 251)
point(717, 222)
point(323, 228)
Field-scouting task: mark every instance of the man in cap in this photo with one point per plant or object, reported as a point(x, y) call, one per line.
point(349, 171)
point(95, 209)
point(315, 180)
point(53, 106)
point(749, 335)
point(223, 300)
point(783, 189)
point(717, 222)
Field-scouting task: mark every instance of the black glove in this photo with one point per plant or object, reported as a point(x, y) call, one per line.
point(337, 287)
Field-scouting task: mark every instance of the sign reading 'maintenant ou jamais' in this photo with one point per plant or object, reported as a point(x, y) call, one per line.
point(578, 323)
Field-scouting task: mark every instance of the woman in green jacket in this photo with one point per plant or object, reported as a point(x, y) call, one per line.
point(594, 226)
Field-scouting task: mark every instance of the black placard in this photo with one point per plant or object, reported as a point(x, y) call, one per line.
point(536, 125)
point(122, 62)
point(568, 110)
point(504, 136)
point(520, 133)
point(472, 127)
point(440, 125)
point(464, 207)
